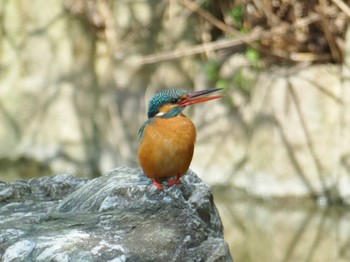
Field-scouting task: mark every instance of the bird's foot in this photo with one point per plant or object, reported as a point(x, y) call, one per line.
point(157, 184)
point(174, 182)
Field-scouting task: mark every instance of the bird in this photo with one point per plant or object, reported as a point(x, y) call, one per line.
point(167, 138)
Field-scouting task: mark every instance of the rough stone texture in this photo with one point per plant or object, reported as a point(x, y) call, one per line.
point(120, 216)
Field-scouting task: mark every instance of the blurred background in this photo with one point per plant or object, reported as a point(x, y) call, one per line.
point(76, 76)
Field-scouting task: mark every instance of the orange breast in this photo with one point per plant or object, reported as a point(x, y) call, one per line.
point(167, 147)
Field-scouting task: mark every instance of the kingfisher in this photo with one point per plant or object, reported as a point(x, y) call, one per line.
point(167, 138)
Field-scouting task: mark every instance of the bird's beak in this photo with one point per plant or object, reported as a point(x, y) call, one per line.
point(193, 98)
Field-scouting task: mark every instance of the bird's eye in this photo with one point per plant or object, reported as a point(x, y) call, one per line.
point(175, 100)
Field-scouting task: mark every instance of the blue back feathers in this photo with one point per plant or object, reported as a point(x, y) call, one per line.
point(162, 98)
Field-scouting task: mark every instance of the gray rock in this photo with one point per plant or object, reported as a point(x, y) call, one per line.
point(120, 216)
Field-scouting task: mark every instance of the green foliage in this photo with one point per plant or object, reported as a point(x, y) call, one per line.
point(212, 69)
point(244, 81)
point(237, 15)
point(222, 83)
point(252, 54)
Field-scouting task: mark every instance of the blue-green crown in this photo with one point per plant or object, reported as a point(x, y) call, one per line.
point(162, 98)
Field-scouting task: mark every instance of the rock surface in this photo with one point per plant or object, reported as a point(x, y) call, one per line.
point(120, 216)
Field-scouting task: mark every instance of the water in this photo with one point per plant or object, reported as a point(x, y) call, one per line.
point(283, 230)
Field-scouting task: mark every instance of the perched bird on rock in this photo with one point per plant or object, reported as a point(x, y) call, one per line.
point(167, 138)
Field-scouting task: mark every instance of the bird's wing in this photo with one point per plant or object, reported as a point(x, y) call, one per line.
point(143, 127)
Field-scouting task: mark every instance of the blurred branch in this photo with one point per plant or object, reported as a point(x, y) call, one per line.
point(328, 34)
point(209, 17)
point(254, 35)
point(321, 233)
point(212, 46)
point(342, 6)
point(294, 160)
point(325, 91)
point(299, 234)
point(307, 134)
point(11, 121)
point(106, 14)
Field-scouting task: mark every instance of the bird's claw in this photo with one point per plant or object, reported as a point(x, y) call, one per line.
point(170, 183)
point(174, 182)
point(158, 185)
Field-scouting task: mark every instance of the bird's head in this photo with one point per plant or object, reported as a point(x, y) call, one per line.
point(170, 103)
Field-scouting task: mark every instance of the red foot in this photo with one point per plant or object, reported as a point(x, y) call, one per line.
point(176, 181)
point(157, 184)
